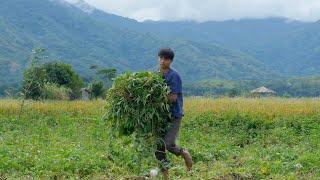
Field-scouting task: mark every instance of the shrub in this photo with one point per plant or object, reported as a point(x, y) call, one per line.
point(137, 104)
point(55, 92)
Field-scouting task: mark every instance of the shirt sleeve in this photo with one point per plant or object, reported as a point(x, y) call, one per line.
point(176, 86)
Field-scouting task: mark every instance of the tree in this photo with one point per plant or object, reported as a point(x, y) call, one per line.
point(106, 75)
point(33, 77)
point(63, 75)
point(102, 81)
point(233, 93)
point(96, 90)
point(38, 74)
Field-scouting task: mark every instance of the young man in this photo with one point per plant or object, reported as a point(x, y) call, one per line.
point(173, 80)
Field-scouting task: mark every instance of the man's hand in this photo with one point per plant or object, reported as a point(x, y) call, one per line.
point(172, 97)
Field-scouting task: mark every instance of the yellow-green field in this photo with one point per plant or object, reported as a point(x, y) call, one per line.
point(229, 139)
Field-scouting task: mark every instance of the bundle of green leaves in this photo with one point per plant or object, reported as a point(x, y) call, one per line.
point(137, 103)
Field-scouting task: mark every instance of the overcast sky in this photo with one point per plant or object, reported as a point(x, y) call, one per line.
point(203, 10)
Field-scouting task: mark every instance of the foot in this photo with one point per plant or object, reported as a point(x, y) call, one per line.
point(187, 159)
point(165, 174)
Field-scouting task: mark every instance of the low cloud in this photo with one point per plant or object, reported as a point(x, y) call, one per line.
point(204, 10)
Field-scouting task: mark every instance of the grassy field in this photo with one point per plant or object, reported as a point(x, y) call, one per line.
point(228, 138)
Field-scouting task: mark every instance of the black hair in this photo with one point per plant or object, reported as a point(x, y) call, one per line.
point(166, 53)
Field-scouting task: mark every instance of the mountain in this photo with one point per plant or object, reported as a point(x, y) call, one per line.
point(85, 7)
point(82, 36)
point(289, 47)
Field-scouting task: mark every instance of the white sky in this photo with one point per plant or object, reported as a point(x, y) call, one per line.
point(203, 10)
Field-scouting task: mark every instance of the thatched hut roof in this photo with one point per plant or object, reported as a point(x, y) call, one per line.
point(263, 90)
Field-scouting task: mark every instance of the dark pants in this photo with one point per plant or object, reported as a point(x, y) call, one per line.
point(168, 142)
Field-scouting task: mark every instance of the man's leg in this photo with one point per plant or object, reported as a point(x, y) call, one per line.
point(171, 146)
point(161, 157)
point(161, 154)
point(168, 143)
point(171, 136)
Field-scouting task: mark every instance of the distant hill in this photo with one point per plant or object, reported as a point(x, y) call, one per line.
point(78, 34)
point(290, 48)
point(82, 36)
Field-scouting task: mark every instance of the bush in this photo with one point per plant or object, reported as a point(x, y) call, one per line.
point(55, 92)
point(33, 82)
point(96, 90)
point(137, 103)
point(60, 74)
point(63, 75)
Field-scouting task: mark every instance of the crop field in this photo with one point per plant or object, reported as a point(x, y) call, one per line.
point(228, 138)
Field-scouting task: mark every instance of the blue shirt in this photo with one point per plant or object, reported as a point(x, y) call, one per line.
point(174, 82)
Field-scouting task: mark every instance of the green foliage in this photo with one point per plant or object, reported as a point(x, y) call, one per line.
point(101, 82)
point(39, 74)
point(54, 73)
point(63, 75)
point(107, 74)
point(56, 92)
point(297, 87)
point(137, 104)
point(33, 82)
point(34, 76)
point(96, 89)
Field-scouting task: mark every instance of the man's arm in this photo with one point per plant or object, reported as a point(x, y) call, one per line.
point(176, 88)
